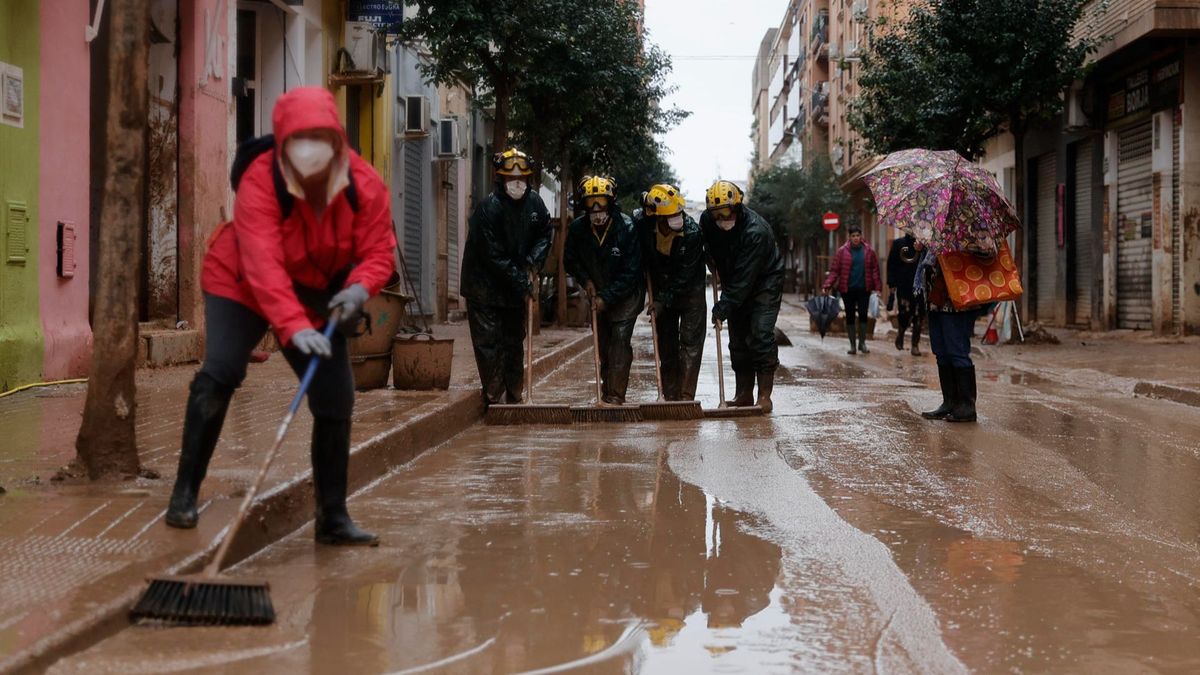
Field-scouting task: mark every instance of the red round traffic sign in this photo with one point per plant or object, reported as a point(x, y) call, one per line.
point(831, 221)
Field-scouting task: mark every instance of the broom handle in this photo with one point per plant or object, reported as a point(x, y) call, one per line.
point(654, 336)
point(215, 566)
point(720, 358)
point(596, 350)
point(529, 350)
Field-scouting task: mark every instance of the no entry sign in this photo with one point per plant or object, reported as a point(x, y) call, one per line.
point(831, 221)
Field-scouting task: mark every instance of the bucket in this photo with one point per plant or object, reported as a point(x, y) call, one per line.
point(421, 362)
point(371, 370)
point(385, 313)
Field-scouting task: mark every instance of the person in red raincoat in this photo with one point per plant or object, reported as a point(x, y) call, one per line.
point(311, 232)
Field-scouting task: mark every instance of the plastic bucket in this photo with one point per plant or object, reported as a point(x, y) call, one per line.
point(386, 311)
point(371, 370)
point(421, 362)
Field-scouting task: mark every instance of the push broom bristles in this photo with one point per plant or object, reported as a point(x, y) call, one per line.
point(528, 414)
point(596, 413)
point(201, 601)
point(671, 410)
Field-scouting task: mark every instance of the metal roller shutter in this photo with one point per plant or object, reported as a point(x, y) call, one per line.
point(1084, 237)
point(1176, 229)
point(1047, 249)
point(452, 230)
point(1134, 226)
point(414, 198)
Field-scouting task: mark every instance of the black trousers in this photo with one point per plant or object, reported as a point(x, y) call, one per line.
point(232, 331)
point(909, 312)
point(857, 301)
point(752, 346)
point(681, 330)
point(615, 335)
point(498, 335)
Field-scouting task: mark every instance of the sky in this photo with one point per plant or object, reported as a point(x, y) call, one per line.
point(715, 141)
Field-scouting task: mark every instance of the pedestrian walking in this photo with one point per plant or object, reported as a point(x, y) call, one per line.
point(901, 271)
point(855, 275)
point(673, 255)
point(746, 257)
point(950, 333)
point(508, 239)
point(311, 233)
point(604, 255)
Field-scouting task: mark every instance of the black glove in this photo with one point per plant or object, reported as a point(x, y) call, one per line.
point(720, 312)
point(656, 308)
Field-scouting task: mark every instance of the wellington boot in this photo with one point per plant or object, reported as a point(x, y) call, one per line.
point(853, 344)
point(964, 407)
point(900, 339)
point(766, 384)
point(916, 339)
point(862, 337)
point(330, 463)
point(949, 394)
point(743, 394)
point(202, 421)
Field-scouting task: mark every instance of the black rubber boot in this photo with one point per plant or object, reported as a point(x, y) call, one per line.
point(330, 463)
point(766, 384)
point(949, 394)
point(964, 407)
point(205, 414)
point(900, 337)
point(853, 344)
point(862, 337)
point(743, 393)
point(916, 339)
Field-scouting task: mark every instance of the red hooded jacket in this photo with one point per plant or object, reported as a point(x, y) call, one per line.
point(257, 260)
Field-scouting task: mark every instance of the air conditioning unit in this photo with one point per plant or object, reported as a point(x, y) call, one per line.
point(834, 51)
point(859, 8)
point(416, 115)
point(852, 50)
point(447, 137)
point(365, 47)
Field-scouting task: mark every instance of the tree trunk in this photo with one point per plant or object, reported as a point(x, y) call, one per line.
point(560, 244)
point(1018, 131)
point(500, 125)
point(107, 442)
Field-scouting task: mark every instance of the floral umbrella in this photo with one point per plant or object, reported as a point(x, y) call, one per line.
point(943, 200)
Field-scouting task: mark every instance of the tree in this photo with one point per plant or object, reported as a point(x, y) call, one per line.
point(794, 198)
point(107, 441)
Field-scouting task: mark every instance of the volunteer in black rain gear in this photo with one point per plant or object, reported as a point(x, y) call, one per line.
point(605, 257)
point(742, 247)
point(508, 238)
point(673, 256)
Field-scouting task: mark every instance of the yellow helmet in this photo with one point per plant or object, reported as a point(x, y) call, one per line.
point(512, 162)
point(596, 192)
point(662, 200)
point(722, 198)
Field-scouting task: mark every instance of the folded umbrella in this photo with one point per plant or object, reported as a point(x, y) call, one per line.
point(823, 309)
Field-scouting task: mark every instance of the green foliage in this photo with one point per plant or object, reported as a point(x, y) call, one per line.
point(794, 198)
point(960, 71)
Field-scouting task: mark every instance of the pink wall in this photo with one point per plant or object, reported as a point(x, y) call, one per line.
point(63, 185)
point(205, 114)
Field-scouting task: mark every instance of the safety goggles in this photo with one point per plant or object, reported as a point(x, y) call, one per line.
point(722, 212)
point(597, 203)
point(513, 163)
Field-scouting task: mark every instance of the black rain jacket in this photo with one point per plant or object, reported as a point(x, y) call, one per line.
point(505, 240)
point(747, 258)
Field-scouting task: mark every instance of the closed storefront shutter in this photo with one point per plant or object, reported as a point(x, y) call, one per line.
point(1176, 229)
point(1084, 238)
point(414, 200)
point(1134, 226)
point(1047, 249)
point(452, 230)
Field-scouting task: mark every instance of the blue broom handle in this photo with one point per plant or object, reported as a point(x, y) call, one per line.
point(315, 361)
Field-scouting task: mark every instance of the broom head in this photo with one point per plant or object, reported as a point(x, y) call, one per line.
point(528, 414)
point(205, 601)
point(733, 411)
point(586, 414)
point(672, 410)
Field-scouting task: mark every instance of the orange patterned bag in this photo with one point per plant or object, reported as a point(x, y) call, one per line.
point(971, 282)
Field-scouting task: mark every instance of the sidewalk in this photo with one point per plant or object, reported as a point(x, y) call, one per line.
point(74, 555)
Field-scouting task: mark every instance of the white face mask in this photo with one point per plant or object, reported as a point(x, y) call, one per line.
point(675, 222)
point(309, 156)
point(727, 225)
point(598, 219)
point(516, 189)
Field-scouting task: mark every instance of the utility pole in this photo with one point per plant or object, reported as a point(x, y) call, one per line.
point(107, 442)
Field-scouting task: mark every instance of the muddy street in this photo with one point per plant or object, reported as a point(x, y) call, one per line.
point(843, 533)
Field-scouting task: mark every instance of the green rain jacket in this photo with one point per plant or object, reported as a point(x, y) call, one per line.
point(505, 240)
point(747, 258)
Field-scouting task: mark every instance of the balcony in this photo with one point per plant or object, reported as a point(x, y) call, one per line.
point(820, 105)
point(819, 39)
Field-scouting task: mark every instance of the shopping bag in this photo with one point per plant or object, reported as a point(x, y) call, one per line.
point(873, 306)
point(973, 281)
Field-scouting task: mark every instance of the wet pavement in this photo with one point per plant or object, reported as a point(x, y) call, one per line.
point(841, 534)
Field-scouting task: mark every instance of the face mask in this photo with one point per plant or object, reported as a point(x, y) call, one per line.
point(309, 156)
point(599, 219)
point(727, 225)
point(675, 222)
point(516, 189)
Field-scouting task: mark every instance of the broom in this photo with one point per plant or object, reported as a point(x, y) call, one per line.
point(663, 409)
point(600, 411)
point(723, 409)
point(528, 412)
point(209, 599)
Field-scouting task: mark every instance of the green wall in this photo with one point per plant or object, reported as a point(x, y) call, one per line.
point(20, 324)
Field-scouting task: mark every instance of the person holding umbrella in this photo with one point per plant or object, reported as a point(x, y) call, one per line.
point(746, 256)
point(604, 255)
point(855, 272)
point(673, 255)
point(901, 272)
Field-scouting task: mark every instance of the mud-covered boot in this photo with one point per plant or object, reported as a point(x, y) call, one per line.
point(743, 393)
point(862, 337)
point(766, 384)
point(205, 414)
point(949, 394)
point(900, 337)
point(330, 463)
point(916, 339)
point(964, 405)
point(853, 344)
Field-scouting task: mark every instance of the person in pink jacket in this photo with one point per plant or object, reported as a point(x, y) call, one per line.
point(855, 274)
point(311, 233)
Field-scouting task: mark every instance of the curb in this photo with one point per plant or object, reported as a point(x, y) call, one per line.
point(282, 510)
point(1165, 391)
